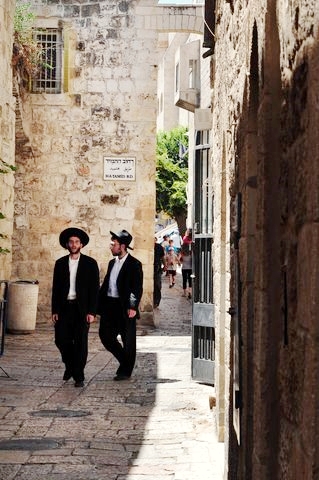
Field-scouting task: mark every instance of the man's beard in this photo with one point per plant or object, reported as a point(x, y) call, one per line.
point(76, 251)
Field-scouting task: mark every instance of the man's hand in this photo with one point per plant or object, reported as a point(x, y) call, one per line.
point(55, 318)
point(90, 318)
point(131, 313)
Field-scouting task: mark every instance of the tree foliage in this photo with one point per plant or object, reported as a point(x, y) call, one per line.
point(172, 174)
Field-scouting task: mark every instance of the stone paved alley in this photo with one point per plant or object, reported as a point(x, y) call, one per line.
point(155, 426)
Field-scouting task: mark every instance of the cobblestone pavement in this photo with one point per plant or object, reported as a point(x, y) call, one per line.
point(155, 426)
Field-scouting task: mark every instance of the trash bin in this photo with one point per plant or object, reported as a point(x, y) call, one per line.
point(22, 305)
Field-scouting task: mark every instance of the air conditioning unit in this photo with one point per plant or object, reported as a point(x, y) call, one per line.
point(187, 76)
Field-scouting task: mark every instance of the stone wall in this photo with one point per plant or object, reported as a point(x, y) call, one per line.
point(107, 108)
point(7, 120)
point(265, 160)
point(298, 370)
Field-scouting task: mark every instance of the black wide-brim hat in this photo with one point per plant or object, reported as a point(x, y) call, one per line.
point(73, 232)
point(123, 237)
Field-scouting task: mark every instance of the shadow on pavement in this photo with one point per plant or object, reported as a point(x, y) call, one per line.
point(147, 427)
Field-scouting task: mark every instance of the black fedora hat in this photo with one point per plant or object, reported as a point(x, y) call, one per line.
point(73, 232)
point(123, 237)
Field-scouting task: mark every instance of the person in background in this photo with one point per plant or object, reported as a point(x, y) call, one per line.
point(171, 262)
point(188, 237)
point(118, 302)
point(74, 302)
point(176, 241)
point(186, 261)
point(165, 242)
point(165, 245)
point(158, 262)
point(170, 246)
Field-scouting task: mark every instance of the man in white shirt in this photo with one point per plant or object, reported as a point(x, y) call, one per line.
point(119, 298)
point(74, 302)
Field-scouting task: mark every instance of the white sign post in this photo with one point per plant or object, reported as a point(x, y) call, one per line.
point(119, 168)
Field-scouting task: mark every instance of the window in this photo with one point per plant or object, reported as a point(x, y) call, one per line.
point(187, 76)
point(160, 109)
point(203, 184)
point(176, 77)
point(49, 77)
point(192, 76)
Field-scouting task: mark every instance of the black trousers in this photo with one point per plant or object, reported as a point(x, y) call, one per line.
point(115, 321)
point(71, 338)
point(186, 275)
point(157, 294)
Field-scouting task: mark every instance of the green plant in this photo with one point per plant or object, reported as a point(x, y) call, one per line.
point(172, 174)
point(28, 56)
point(23, 22)
point(26, 53)
point(4, 169)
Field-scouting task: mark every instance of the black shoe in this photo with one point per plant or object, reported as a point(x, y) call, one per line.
point(120, 377)
point(79, 383)
point(67, 375)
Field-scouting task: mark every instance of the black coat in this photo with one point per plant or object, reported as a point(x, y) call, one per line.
point(129, 285)
point(158, 256)
point(86, 285)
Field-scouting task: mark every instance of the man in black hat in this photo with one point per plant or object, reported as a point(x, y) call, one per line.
point(119, 298)
point(74, 302)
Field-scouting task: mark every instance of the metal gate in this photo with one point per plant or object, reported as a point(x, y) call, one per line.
point(203, 322)
point(235, 312)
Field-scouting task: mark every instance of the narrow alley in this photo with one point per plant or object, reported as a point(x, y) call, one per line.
point(156, 426)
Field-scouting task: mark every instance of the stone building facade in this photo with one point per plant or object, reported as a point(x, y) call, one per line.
point(7, 136)
point(265, 82)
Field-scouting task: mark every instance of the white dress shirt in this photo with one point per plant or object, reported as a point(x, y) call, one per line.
point(73, 268)
point(118, 264)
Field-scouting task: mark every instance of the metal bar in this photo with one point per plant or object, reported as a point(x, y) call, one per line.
point(202, 280)
point(209, 274)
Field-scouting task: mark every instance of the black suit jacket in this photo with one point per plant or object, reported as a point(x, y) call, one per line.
point(129, 285)
point(87, 284)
